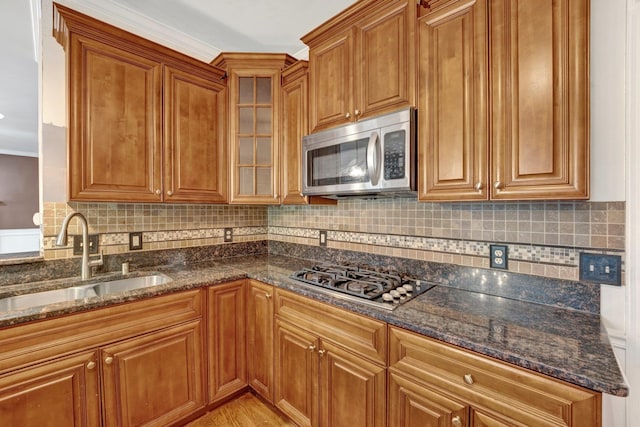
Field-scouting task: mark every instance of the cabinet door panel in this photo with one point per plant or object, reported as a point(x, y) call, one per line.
point(115, 141)
point(452, 150)
point(260, 338)
point(331, 81)
point(194, 134)
point(60, 393)
point(414, 405)
point(540, 85)
point(227, 340)
point(352, 389)
point(296, 374)
point(154, 379)
point(385, 73)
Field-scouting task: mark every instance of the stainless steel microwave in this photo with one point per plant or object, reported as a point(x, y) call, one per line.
point(372, 157)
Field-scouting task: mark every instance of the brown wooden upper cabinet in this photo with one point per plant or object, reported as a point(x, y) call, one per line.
point(254, 131)
point(504, 100)
point(362, 62)
point(146, 124)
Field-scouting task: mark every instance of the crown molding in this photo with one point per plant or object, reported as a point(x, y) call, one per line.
point(143, 26)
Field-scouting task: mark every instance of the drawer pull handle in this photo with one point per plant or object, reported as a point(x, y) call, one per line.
point(108, 360)
point(468, 379)
point(456, 421)
point(91, 365)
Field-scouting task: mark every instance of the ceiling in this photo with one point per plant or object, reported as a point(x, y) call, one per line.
point(199, 28)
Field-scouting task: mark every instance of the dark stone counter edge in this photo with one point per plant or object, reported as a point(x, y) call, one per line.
point(184, 280)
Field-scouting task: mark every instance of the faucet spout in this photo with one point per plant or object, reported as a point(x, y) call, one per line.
point(61, 240)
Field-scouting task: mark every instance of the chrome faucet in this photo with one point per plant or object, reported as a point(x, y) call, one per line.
point(85, 272)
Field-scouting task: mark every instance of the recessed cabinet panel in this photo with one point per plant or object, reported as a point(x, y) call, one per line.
point(539, 69)
point(195, 154)
point(64, 392)
point(155, 378)
point(453, 120)
point(260, 338)
point(115, 148)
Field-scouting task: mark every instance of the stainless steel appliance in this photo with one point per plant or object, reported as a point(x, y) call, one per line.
point(364, 284)
point(371, 157)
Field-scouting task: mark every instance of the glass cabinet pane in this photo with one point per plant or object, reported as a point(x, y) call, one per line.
point(246, 181)
point(245, 118)
point(263, 89)
point(263, 151)
point(246, 90)
point(263, 181)
point(263, 118)
point(245, 152)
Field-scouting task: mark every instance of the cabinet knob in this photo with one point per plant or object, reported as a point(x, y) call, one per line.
point(108, 360)
point(478, 186)
point(91, 365)
point(312, 347)
point(158, 192)
point(358, 113)
point(456, 421)
point(267, 296)
point(347, 115)
point(169, 193)
point(497, 185)
point(468, 379)
point(321, 352)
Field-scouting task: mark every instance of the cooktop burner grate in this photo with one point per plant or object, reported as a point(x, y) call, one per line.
point(380, 287)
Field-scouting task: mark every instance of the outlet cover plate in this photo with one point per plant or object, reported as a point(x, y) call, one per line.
point(228, 235)
point(93, 244)
point(498, 256)
point(135, 241)
point(601, 268)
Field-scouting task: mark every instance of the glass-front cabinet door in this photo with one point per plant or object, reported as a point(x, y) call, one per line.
point(255, 136)
point(254, 87)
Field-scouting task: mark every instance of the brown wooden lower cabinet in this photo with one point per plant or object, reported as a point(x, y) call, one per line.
point(227, 340)
point(320, 378)
point(154, 379)
point(139, 363)
point(260, 338)
point(63, 392)
point(144, 363)
point(432, 383)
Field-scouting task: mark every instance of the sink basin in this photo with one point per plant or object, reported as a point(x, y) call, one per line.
point(39, 299)
point(130, 283)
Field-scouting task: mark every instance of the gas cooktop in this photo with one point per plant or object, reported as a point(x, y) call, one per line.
point(382, 288)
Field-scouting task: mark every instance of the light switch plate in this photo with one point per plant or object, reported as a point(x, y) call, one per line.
point(601, 268)
point(322, 240)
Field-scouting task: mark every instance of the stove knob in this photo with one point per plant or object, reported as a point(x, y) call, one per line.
point(408, 288)
point(402, 291)
point(387, 297)
point(394, 293)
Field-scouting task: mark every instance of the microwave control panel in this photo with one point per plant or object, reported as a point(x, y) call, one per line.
point(394, 155)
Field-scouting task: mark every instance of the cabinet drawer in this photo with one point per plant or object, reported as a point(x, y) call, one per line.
point(26, 344)
point(487, 383)
point(360, 334)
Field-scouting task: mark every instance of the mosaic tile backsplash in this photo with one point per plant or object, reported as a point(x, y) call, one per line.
point(543, 238)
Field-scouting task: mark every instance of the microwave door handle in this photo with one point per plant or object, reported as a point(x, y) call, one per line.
point(374, 158)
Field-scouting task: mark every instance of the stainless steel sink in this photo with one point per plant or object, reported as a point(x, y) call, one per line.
point(130, 283)
point(40, 299)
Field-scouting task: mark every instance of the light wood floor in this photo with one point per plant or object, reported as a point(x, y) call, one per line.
point(244, 411)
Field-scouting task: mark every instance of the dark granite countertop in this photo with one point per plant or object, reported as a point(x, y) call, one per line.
point(566, 344)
